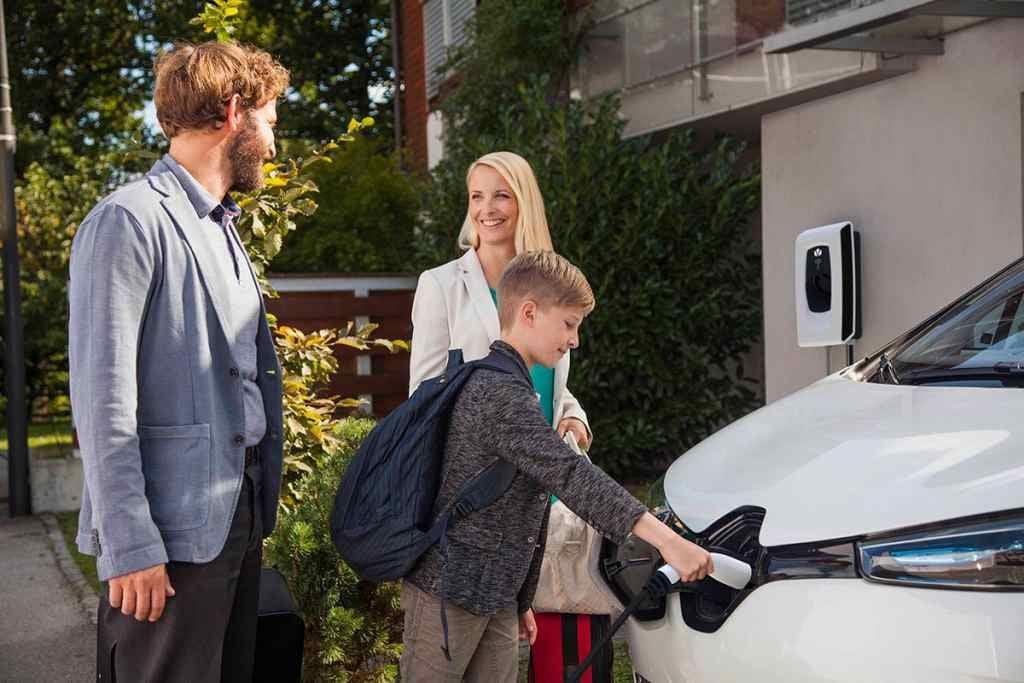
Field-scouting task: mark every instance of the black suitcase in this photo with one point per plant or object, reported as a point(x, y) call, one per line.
point(280, 632)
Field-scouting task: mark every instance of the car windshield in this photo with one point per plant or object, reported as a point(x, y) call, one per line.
point(976, 341)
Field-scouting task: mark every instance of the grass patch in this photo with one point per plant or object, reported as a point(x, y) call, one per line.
point(50, 435)
point(68, 522)
point(622, 670)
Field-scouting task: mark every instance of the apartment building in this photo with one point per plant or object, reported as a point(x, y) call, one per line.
point(905, 117)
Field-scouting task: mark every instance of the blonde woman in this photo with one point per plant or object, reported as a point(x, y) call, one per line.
point(455, 308)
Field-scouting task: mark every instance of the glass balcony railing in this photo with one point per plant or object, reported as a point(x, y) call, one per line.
point(636, 41)
point(674, 60)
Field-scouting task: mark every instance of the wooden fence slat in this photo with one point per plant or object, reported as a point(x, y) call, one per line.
point(390, 309)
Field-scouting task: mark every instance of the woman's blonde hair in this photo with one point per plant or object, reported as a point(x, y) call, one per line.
point(532, 226)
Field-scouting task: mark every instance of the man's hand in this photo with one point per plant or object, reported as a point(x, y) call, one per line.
point(578, 429)
point(528, 627)
point(142, 594)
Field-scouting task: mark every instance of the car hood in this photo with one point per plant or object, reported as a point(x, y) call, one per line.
point(843, 458)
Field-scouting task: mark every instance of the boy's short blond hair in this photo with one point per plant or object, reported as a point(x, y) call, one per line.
point(545, 278)
point(195, 82)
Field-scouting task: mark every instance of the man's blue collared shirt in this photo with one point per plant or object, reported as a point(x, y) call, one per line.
point(236, 281)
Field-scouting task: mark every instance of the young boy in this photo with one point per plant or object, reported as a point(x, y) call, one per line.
point(494, 554)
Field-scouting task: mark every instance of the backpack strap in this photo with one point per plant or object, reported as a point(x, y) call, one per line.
point(454, 360)
point(476, 494)
point(496, 360)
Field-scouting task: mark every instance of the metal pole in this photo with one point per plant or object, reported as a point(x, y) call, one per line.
point(14, 351)
point(396, 51)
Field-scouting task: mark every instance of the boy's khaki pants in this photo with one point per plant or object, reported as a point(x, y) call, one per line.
point(483, 649)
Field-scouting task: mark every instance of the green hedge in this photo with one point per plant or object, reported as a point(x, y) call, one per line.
point(662, 228)
point(353, 628)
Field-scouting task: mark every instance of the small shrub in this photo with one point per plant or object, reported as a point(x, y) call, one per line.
point(353, 628)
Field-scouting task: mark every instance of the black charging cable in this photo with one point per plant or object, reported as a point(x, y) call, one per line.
point(656, 587)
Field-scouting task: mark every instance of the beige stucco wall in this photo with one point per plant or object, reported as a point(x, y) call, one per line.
point(927, 166)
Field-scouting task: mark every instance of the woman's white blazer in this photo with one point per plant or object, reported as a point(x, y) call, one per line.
point(453, 309)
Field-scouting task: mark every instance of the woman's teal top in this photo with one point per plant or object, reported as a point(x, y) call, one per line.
point(543, 381)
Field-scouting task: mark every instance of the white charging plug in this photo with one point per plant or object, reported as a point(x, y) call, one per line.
point(728, 570)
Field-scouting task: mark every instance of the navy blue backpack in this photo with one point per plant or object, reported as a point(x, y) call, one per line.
point(381, 522)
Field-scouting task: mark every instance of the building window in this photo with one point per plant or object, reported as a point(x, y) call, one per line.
point(444, 27)
point(634, 42)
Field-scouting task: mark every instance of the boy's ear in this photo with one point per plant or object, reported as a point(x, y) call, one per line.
point(528, 312)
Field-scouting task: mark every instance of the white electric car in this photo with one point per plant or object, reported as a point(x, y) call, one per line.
point(882, 511)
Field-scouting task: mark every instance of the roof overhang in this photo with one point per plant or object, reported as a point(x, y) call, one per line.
point(845, 30)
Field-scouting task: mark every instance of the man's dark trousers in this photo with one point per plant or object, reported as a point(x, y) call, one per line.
point(208, 630)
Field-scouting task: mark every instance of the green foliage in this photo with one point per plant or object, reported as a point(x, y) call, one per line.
point(80, 74)
point(49, 205)
point(269, 213)
point(662, 229)
point(366, 219)
point(221, 18)
point(310, 419)
point(337, 52)
point(512, 41)
point(353, 629)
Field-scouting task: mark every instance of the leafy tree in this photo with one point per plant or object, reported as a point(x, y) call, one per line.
point(366, 218)
point(80, 74)
point(661, 228)
point(336, 50)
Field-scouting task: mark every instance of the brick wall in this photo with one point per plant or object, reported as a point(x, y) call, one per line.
point(414, 97)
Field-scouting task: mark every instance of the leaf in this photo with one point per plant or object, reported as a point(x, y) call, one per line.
point(353, 342)
point(307, 207)
point(351, 403)
point(258, 229)
point(366, 330)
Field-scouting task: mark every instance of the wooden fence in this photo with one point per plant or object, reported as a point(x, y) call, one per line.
point(314, 302)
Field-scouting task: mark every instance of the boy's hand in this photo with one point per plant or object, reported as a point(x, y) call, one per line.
point(691, 561)
point(528, 627)
point(578, 429)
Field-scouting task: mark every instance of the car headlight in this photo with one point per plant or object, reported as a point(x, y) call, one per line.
point(980, 555)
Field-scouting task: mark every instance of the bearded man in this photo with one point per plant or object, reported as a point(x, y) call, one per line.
point(175, 385)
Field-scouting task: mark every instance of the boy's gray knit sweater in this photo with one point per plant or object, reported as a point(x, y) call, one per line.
point(494, 554)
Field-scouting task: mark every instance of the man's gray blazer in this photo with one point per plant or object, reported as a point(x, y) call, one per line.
point(156, 396)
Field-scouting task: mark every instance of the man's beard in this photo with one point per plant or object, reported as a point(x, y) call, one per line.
point(246, 156)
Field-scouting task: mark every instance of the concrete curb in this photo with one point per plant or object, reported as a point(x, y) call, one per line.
point(87, 599)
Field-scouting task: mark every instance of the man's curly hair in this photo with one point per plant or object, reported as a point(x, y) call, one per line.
point(195, 82)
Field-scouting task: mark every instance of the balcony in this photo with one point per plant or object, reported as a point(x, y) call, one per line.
point(726, 62)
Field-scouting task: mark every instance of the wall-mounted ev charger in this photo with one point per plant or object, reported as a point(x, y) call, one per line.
point(828, 300)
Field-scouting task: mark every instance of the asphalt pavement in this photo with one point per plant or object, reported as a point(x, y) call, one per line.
point(47, 610)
